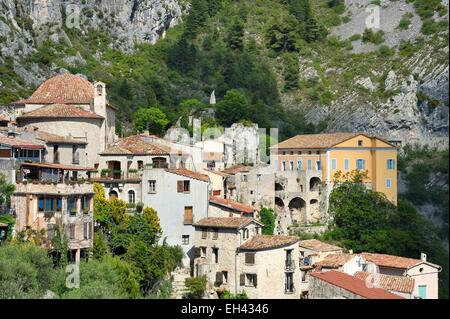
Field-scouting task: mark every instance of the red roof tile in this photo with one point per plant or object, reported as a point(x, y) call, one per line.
point(388, 282)
point(60, 111)
point(225, 222)
point(136, 145)
point(62, 89)
point(394, 261)
point(318, 245)
point(53, 138)
point(353, 285)
point(335, 260)
point(58, 166)
point(19, 143)
point(233, 170)
point(190, 174)
point(231, 204)
point(260, 242)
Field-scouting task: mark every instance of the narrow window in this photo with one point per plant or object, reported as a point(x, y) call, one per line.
point(346, 165)
point(204, 233)
point(390, 164)
point(215, 234)
point(291, 165)
point(249, 258)
point(188, 215)
point(185, 240)
point(388, 183)
point(299, 165)
point(309, 165)
point(360, 164)
point(131, 197)
point(283, 167)
point(152, 187)
point(333, 164)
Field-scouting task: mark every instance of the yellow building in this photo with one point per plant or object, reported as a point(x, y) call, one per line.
point(341, 152)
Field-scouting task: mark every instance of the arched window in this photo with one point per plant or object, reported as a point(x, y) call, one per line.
point(131, 197)
point(99, 90)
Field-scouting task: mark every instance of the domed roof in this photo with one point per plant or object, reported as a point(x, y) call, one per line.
point(62, 89)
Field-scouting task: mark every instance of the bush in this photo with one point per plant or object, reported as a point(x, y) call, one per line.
point(268, 220)
point(196, 286)
point(373, 37)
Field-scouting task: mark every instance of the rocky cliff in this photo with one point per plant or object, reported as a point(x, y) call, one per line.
point(25, 24)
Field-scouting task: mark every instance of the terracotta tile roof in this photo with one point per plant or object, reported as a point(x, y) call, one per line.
point(190, 174)
point(53, 138)
point(394, 261)
point(260, 242)
point(62, 89)
point(60, 111)
point(225, 222)
point(19, 143)
point(231, 204)
point(353, 285)
point(58, 166)
point(4, 118)
point(136, 145)
point(334, 260)
point(325, 140)
point(318, 245)
point(388, 282)
point(233, 170)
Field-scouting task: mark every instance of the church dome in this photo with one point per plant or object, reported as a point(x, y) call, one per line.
point(62, 89)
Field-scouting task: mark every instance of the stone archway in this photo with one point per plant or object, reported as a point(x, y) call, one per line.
point(314, 210)
point(297, 207)
point(315, 184)
point(279, 204)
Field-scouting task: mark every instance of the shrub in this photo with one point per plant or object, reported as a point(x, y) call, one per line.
point(196, 286)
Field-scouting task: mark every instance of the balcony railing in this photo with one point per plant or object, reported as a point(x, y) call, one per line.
point(115, 175)
point(289, 265)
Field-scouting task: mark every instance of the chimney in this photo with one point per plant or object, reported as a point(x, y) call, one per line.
point(423, 257)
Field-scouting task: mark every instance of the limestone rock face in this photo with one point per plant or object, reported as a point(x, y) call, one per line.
point(128, 21)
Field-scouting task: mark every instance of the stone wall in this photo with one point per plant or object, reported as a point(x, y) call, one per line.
point(319, 289)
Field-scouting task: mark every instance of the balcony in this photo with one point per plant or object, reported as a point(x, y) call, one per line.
point(289, 265)
point(116, 175)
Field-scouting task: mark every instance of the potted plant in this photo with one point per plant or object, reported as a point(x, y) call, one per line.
point(105, 172)
point(73, 212)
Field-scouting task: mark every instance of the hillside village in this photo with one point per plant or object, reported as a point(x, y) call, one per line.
point(59, 146)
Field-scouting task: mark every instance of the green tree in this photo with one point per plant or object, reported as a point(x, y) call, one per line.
point(235, 37)
point(26, 272)
point(196, 286)
point(291, 73)
point(283, 35)
point(234, 107)
point(182, 56)
point(6, 190)
point(268, 220)
point(198, 14)
point(152, 119)
point(226, 294)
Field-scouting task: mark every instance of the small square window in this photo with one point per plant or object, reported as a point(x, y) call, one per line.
point(360, 143)
point(185, 240)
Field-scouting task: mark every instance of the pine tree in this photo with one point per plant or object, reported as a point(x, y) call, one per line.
point(235, 37)
point(198, 14)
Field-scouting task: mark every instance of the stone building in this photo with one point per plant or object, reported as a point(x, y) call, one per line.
point(50, 197)
point(234, 256)
point(221, 207)
point(306, 166)
point(71, 104)
point(337, 285)
point(402, 286)
point(311, 252)
point(424, 273)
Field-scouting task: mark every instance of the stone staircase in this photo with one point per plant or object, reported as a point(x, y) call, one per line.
point(179, 275)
